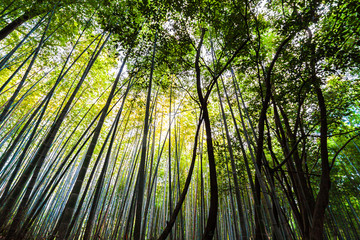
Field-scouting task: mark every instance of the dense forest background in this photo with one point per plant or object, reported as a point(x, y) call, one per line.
point(196, 119)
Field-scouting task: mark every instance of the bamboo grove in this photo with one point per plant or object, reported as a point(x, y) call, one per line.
point(127, 119)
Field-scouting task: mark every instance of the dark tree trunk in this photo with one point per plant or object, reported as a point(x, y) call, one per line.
point(259, 229)
point(213, 211)
point(15, 24)
point(322, 201)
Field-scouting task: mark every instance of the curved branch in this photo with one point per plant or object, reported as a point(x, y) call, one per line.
point(177, 209)
point(342, 148)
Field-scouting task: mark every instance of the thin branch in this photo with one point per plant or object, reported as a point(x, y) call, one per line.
point(337, 153)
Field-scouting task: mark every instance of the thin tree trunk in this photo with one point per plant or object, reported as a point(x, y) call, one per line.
point(233, 168)
point(6, 109)
point(259, 230)
point(214, 202)
point(140, 182)
point(322, 200)
point(65, 218)
point(101, 180)
point(177, 208)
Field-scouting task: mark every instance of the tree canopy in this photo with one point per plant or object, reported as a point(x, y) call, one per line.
point(179, 119)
